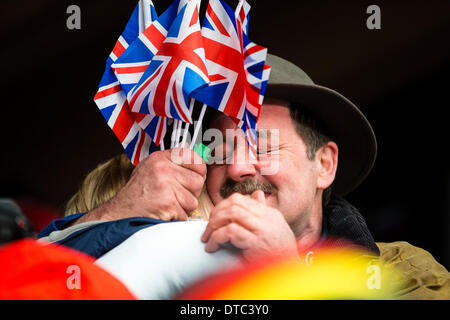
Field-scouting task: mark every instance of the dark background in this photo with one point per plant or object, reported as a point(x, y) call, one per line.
point(53, 134)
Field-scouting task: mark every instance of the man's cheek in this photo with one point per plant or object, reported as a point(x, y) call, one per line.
point(270, 167)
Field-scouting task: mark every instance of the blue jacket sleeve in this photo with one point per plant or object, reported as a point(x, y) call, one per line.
point(98, 239)
point(59, 224)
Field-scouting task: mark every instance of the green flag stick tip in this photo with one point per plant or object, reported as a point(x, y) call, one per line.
point(203, 151)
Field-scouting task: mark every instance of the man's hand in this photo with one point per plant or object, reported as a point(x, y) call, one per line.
point(251, 225)
point(161, 186)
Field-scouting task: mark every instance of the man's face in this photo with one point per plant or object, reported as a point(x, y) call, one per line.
point(291, 188)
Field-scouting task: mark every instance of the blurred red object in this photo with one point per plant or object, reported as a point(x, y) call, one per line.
point(38, 213)
point(32, 270)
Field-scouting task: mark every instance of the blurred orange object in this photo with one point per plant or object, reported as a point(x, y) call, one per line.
point(32, 270)
point(325, 273)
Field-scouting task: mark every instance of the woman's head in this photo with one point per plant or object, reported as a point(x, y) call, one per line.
point(101, 184)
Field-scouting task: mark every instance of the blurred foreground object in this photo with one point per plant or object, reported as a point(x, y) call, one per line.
point(38, 212)
point(328, 273)
point(31, 270)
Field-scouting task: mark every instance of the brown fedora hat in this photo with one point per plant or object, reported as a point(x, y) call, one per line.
point(341, 119)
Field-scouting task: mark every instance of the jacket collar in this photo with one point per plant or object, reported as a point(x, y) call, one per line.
point(343, 225)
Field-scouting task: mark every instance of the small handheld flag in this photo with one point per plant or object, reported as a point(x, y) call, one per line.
point(111, 99)
point(175, 71)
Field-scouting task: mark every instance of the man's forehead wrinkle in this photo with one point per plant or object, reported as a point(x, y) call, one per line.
point(268, 133)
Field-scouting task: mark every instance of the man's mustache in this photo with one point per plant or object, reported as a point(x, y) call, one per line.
point(245, 187)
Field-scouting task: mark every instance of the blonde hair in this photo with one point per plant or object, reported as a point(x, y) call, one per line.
point(105, 181)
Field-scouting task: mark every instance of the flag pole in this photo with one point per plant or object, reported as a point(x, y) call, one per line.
point(186, 126)
point(172, 137)
point(178, 134)
point(197, 127)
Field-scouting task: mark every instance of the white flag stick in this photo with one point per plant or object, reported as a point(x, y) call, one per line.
point(197, 127)
point(186, 126)
point(178, 135)
point(172, 137)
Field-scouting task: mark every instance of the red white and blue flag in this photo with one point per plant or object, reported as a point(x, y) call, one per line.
point(254, 59)
point(225, 61)
point(111, 99)
point(158, 63)
point(177, 69)
point(236, 67)
point(257, 76)
point(131, 65)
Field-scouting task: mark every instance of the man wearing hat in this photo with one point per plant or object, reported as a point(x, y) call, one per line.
point(325, 148)
point(324, 142)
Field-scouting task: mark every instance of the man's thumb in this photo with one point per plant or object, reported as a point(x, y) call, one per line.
point(258, 195)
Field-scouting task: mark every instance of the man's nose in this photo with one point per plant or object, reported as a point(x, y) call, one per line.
point(241, 166)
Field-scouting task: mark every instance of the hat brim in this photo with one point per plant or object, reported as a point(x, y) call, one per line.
point(344, 123)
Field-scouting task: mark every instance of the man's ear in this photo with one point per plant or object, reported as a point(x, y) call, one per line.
point(327, 161)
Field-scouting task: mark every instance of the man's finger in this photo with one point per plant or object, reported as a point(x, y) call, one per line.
point(233, 233)
point(186, 201)
point(170, 209)
point(188, 159)
point(241, 215)
point(259, 196)
point(190, 180)
point(235, 198)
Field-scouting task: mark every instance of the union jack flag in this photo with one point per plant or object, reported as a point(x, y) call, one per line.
point(257, 77)
point(254, 57)
point(131, 65)
point(177, 69)
point(225, 61)
point(112, 102)
point(236, 67)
